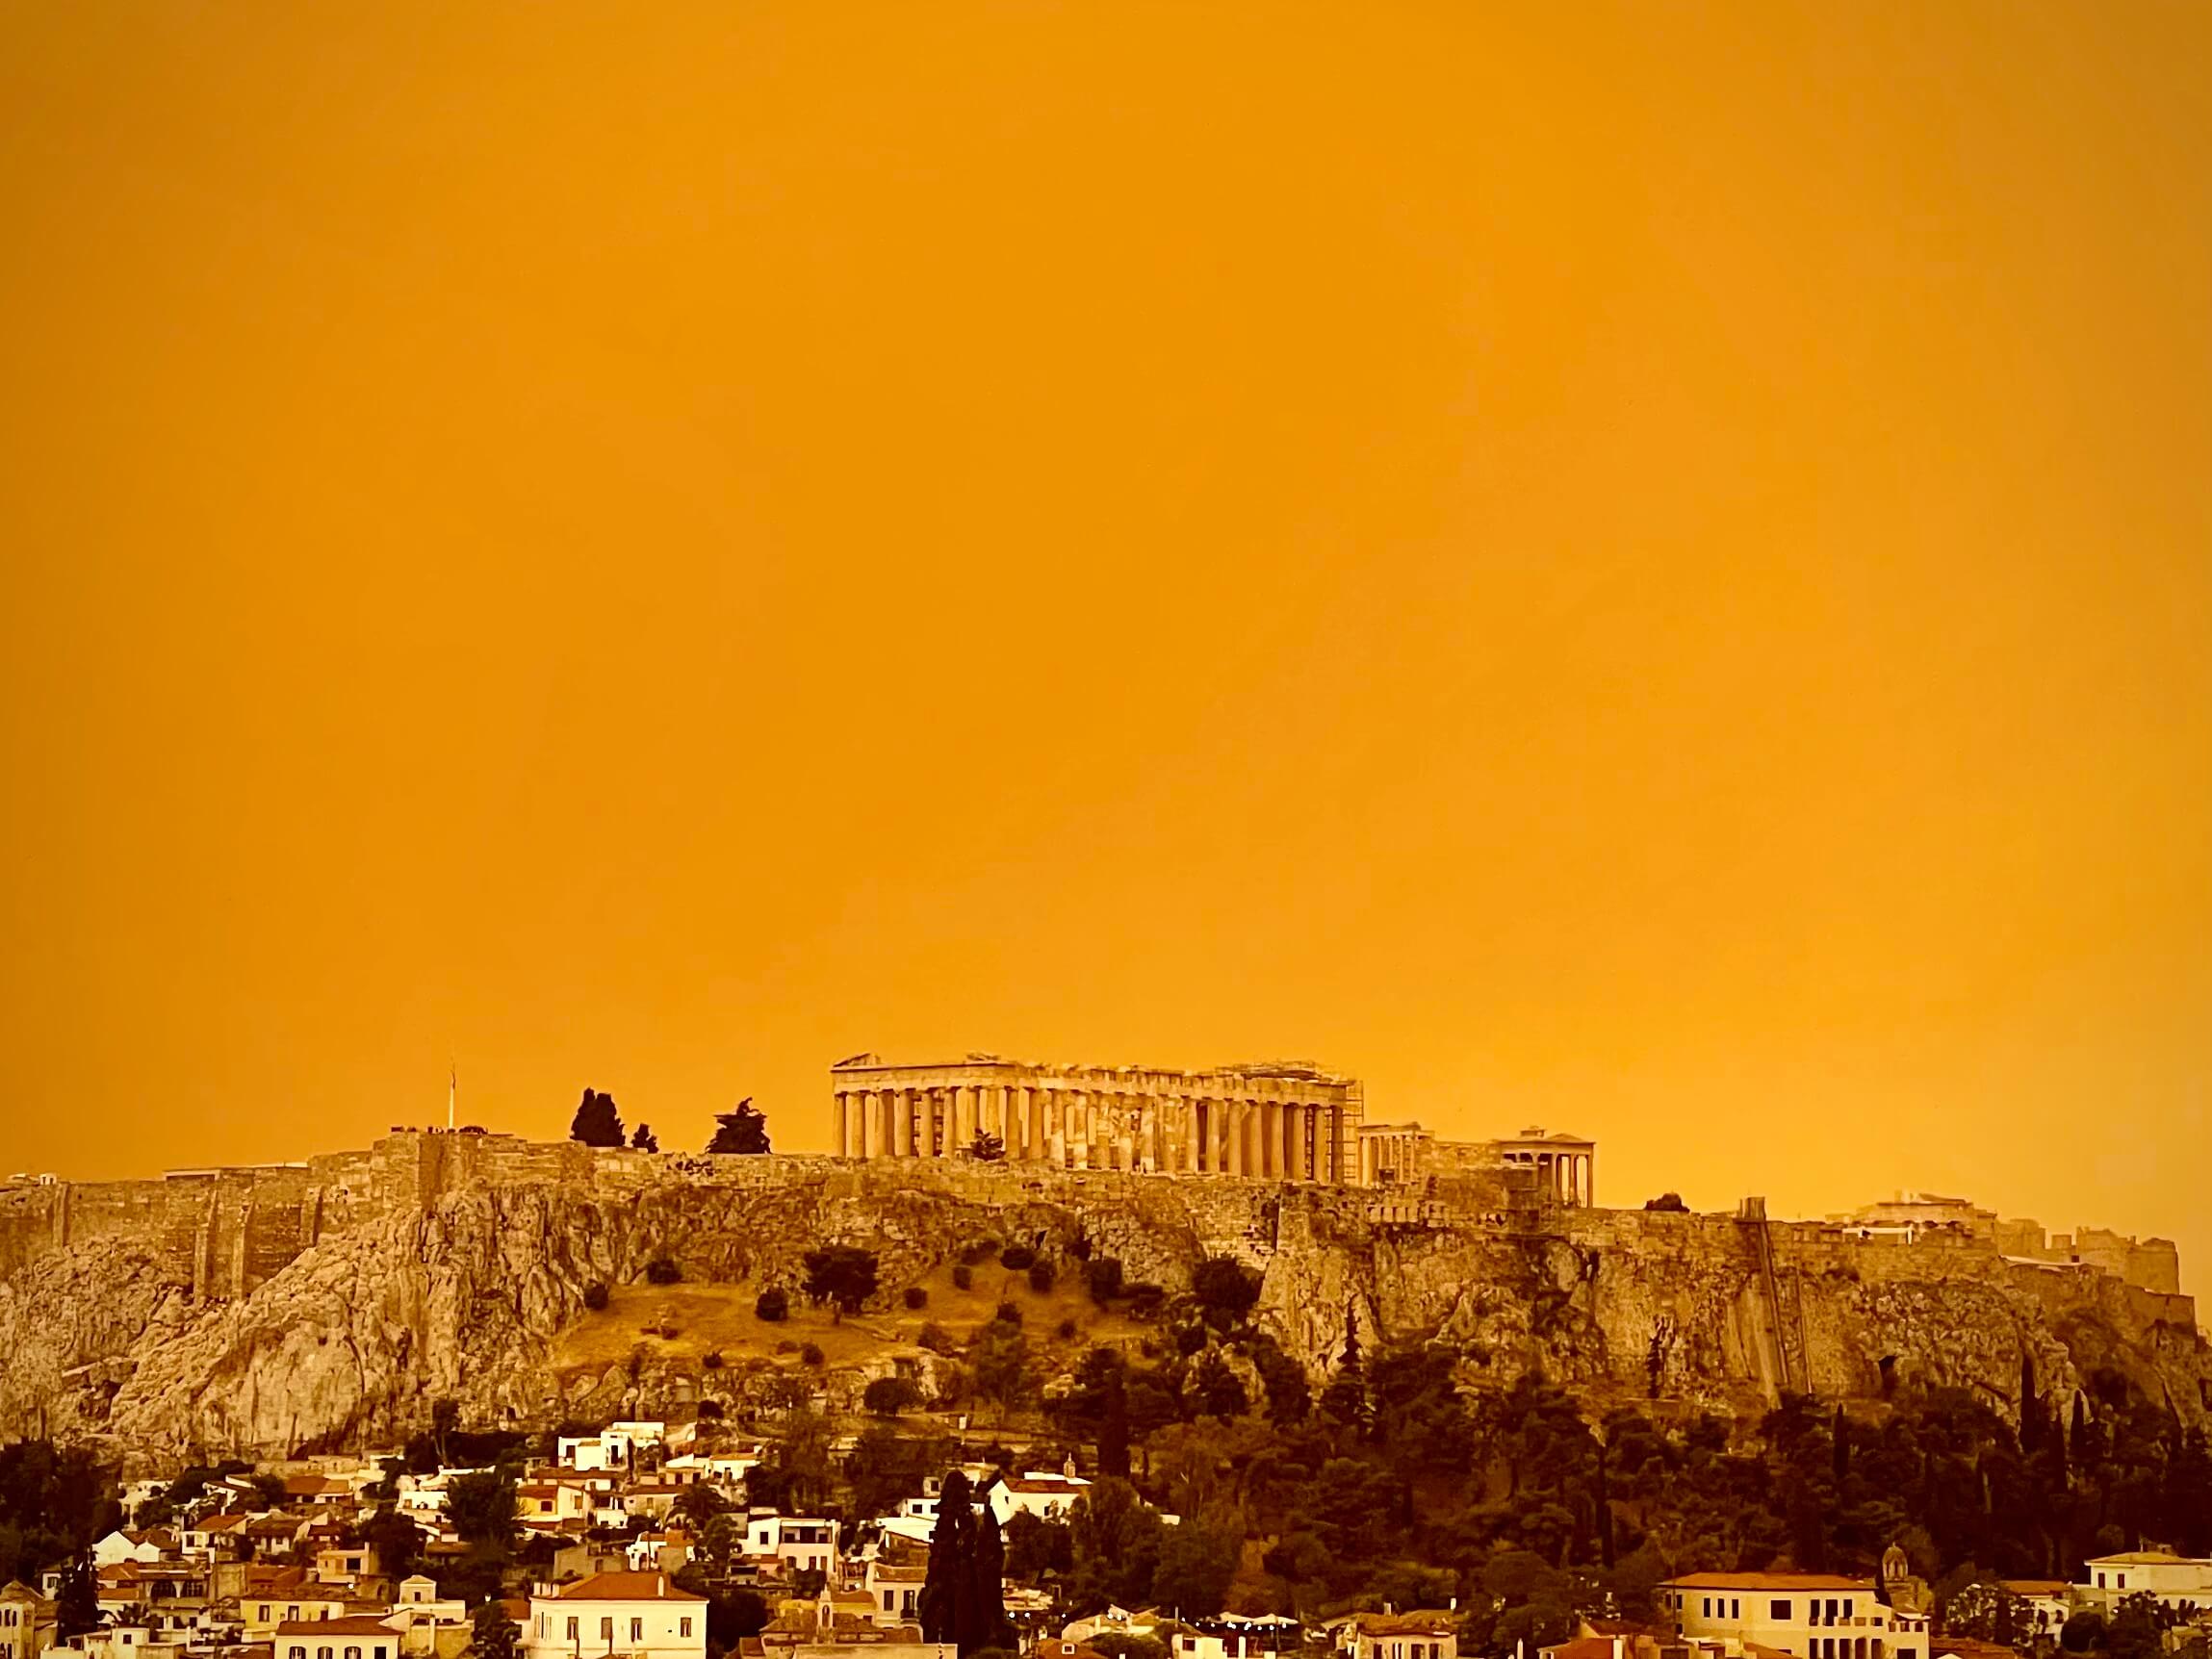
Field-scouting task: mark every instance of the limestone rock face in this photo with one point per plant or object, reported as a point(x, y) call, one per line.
point(464, 1288)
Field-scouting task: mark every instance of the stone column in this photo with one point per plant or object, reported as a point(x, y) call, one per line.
point(1187, 1125)
point(871, 1124)
point(1271, 1125)
point(903, 1122)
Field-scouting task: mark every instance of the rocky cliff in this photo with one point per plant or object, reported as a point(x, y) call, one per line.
point(471, 1285)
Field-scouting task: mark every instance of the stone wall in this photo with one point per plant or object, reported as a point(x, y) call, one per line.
point(255, 1308)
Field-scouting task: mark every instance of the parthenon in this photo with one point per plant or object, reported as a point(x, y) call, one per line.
point(1283, 1120)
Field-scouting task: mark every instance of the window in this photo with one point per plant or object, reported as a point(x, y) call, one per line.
point(2100, 1581)
point(1779, 1608)
point(1735, 1608)
point(1707, 1602)
point(683, 1628)
point(1847, 1609)
point(353, 1653)
point(264, 1616)
point(571, 1624)
point(637, 1630)
point(607, 1629)
point(297, 1653)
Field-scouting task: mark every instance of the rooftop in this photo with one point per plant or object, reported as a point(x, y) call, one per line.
point(626, 1587)
point(1767, 1581)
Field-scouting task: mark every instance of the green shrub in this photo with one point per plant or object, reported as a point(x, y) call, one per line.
point(595, 1296)
point(661, 1270)
point(772, 1304)
point(916, 1296)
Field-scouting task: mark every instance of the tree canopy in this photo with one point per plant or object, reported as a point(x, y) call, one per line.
point(843, 1275)
point(595, 1123)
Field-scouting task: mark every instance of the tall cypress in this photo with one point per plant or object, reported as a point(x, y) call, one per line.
point(1344, 1399)
point(1113, 1429)
point(2031, 1408)
point(989, 1626)
point(947, 1588)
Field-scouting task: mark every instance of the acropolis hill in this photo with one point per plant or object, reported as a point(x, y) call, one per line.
point(335, 1301)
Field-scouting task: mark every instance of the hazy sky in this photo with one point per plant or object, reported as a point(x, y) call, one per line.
point(1645, 571)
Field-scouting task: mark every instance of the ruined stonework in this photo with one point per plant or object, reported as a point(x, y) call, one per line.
point(251, 1311)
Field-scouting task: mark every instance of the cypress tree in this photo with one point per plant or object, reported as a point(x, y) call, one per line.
point(987, 1624)
point(2031, 1408)
point(77, 1606)
point(595, 1123)
point(947, 1588)
point(1113, 1430)
point(1345, 1399)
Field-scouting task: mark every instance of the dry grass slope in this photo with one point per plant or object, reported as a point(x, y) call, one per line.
point(709, 1318)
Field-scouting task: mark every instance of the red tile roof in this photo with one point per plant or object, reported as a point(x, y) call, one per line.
point(1768, 1581)
point(626, 1587)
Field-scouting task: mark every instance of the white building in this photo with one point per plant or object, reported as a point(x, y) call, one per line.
point(152, 1544)
point(1810, 1614)
point(550, 1502)
point(1426, 1633)
point(1042, 1493)
point(804, 1543)
point(616, 1616)
point(355, 1637)
point(2046, 1603)
point(2173, 1578)
point(27, 1623)
point(615, 1447)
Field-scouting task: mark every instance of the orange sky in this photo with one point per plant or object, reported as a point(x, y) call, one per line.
point(1648, 572)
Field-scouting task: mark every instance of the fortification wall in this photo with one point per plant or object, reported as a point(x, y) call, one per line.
point(221, 1232)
